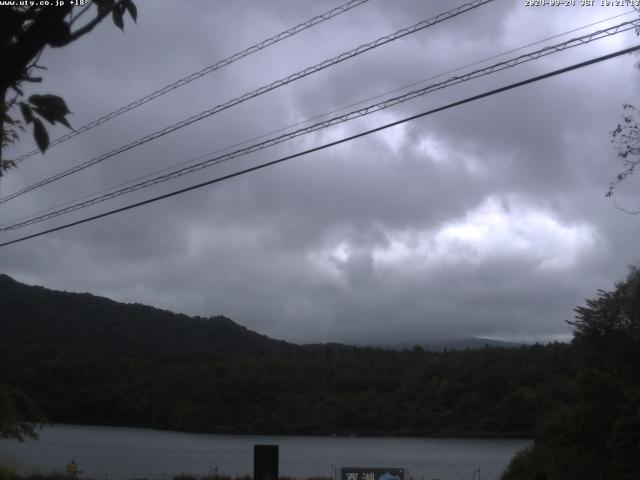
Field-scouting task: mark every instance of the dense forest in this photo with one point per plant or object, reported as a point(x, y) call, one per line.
point(326, 390)
point(89, 360)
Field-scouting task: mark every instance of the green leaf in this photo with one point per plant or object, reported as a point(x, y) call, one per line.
point(45, 114)
point(117, 17)
point(104, 6)
point(131, 8)
point(40, 135)
point(51, 117)
point(64, 121)
point(26, 112)
point(50, 107)
point(50, 102)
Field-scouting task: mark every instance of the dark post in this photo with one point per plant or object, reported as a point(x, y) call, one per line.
point(265, 462)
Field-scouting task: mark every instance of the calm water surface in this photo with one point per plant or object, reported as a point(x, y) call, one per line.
point(127, 453)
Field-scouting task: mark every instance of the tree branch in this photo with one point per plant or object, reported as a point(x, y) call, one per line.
point(89, 26)
point(18, 56)
point(82, 12)
point(621, 208)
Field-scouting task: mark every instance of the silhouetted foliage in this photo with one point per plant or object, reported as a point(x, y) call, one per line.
point(626, 139)
point(19, 415)
point(26, 29)
point(595, 431)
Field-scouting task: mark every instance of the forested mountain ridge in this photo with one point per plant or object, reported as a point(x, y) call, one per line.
point(41, 324)
point(578, 401)
point(87, 359)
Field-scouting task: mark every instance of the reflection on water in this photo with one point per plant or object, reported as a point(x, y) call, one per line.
point(125, 453)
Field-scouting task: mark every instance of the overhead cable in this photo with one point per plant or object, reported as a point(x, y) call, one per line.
point(334, 12)
point(330, 122)
point(264, 89)
point(325, 114)
point(330, 144)
point(307, 120)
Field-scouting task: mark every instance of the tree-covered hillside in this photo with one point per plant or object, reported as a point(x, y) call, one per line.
point(38, 323)
point(87, 359)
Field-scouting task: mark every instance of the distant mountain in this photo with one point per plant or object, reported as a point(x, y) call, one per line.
point(37, 323)
point(470, 343)
point(90, 360)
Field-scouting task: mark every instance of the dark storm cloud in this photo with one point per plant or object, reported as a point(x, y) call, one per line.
point(488, 219)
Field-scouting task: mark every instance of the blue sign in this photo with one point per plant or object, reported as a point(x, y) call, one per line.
point(356, 473)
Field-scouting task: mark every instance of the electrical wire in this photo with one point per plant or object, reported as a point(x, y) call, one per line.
point(200, 73)
point(264, 89)
point(597, 35)
point(331, 144)
point(302, 122)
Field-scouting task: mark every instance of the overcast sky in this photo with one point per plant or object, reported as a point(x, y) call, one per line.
point(488, 219)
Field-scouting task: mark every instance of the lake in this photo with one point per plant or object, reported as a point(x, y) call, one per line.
point(110, 453)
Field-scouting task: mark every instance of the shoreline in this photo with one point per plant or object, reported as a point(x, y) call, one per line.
point(443, 436)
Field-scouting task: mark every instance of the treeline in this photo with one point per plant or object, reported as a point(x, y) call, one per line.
point(594, 430)
point(580, 402)
point(87, 359)
point(321, 390)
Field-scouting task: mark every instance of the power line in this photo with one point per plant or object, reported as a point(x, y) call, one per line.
point(200, 73)
point(264, 89)
point(315, 117)
point(332, 121)
point(457, 69)
point(331, 144)
point(302, 122)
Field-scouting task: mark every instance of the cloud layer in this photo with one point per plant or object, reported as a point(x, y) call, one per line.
point(488, 219)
